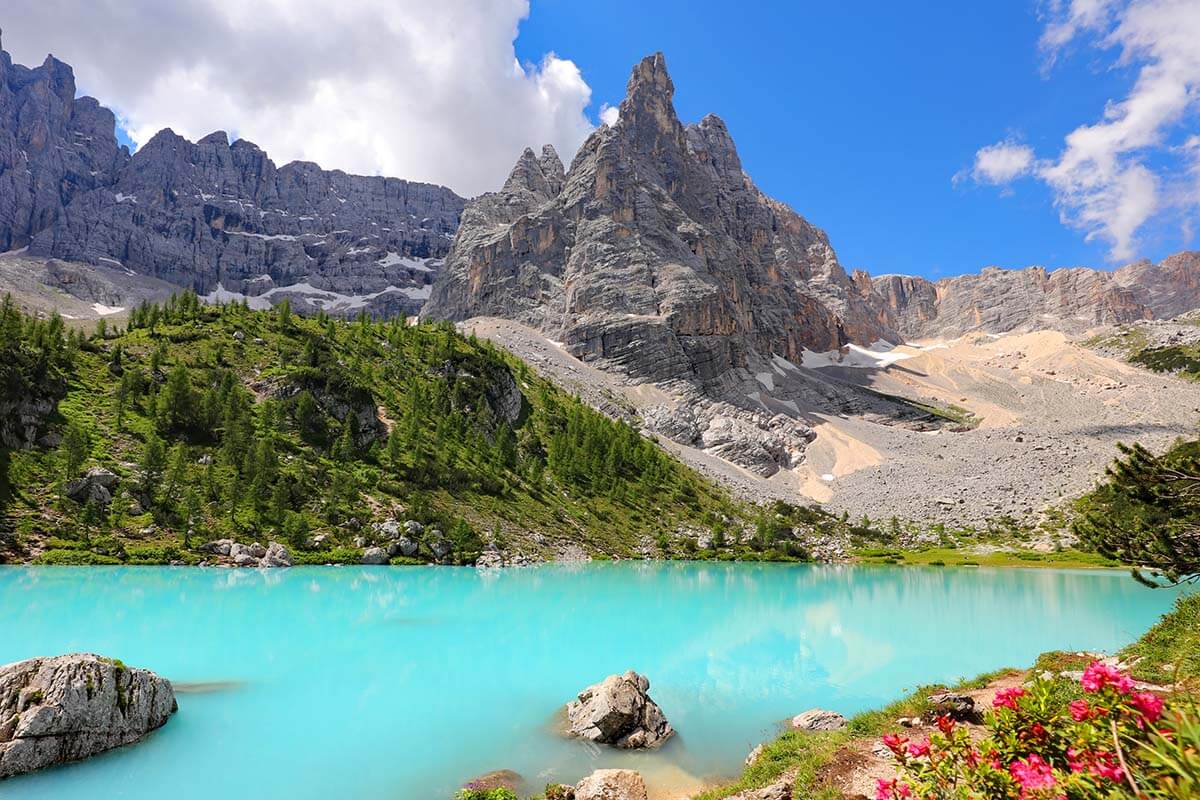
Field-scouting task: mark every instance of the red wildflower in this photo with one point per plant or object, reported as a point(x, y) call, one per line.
point(1080, 710)
point(1151, 705)
point(945, 724)
point(1007, 698)
point(891, 790)
point(895, 742)
point(1099, 675)
point(919, 749)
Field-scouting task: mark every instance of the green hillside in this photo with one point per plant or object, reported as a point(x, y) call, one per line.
point(222, 421)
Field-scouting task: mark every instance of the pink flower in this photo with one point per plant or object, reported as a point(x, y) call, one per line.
point(891, 790)
point(1007, 698)
point(1080, 710)
point(1106, 765)
point(894, 742)
point(1032, 773)
point(1151, 705)
point(919, 749)
point(1099, 675)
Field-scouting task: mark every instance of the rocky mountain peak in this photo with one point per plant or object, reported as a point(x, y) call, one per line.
point(648, 97)
point(540, 177)
point(220, 138)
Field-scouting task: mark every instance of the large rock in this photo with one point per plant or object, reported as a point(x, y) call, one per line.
point(618, 711)
point(960, 707)
point(818, 719)
point(374, 556)
point(611, 784)
point(402, 547)
point(95, 486)
point(64, 708)
point(276, 556)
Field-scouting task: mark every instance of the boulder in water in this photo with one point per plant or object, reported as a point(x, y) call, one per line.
point(65, 708)
point(619, 711)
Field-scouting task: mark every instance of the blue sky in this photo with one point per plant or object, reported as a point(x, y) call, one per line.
point(859, 115)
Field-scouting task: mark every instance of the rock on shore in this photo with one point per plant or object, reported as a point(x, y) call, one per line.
point(619, 711)
point(611, 784)
point(65, 708)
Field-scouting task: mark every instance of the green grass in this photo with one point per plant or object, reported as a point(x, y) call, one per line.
point(1170, 651)
point(952, 557)
point(795, 751)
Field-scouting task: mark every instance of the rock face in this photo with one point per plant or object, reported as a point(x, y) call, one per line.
point(216, 217)
point(54, 710)
point(657, 257)
point(655, 252)
point(611, 784)
point(1073, 300)
point(619, 711)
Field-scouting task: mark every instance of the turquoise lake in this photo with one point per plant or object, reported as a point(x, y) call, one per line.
point(398, 683)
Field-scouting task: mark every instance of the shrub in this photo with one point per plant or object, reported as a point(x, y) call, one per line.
point(1044, 745)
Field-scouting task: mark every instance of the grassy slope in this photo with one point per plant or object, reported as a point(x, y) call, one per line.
point(448, 470)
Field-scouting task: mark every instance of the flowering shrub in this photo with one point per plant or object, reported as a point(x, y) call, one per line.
point(1041, 747)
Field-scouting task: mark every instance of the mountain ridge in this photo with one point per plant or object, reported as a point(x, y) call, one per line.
point(209, 215)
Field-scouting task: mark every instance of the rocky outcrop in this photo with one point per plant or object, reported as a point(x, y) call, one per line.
point(65, 708)
point(618, 711)
point(213, 216)
point(248, 555)
point(95, 486)
point(53, 147)
point(24, 421)
point(818, 719)
point(1073, 300)
point(655, 252)
point(657, 257)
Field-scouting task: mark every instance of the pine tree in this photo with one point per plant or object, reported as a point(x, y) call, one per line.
point(1147, 513)
point(73, 450)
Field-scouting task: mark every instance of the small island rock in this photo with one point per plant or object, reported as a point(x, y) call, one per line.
point(619, 711)
point(65, 708)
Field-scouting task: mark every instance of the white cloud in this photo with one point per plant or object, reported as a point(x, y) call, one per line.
point(1116, 175)
point(609, 114)
point(426, 91)
point(1002, 162)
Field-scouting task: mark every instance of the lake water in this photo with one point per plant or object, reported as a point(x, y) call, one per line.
point(401, 683)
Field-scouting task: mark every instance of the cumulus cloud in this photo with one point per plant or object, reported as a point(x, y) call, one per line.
point(426, 91)
point(1002, 162)
point(609, 114)
point(1115, 175)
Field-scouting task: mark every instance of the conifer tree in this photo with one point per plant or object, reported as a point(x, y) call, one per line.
point(1147, 513)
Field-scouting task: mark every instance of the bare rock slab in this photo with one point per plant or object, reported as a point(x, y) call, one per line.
point(65, 708)
point(618, 711)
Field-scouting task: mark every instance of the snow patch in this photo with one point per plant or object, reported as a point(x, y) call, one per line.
point(121, 198)
point(880, 355)
point(105, 311)
point(765, 379)
point(413, 264)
